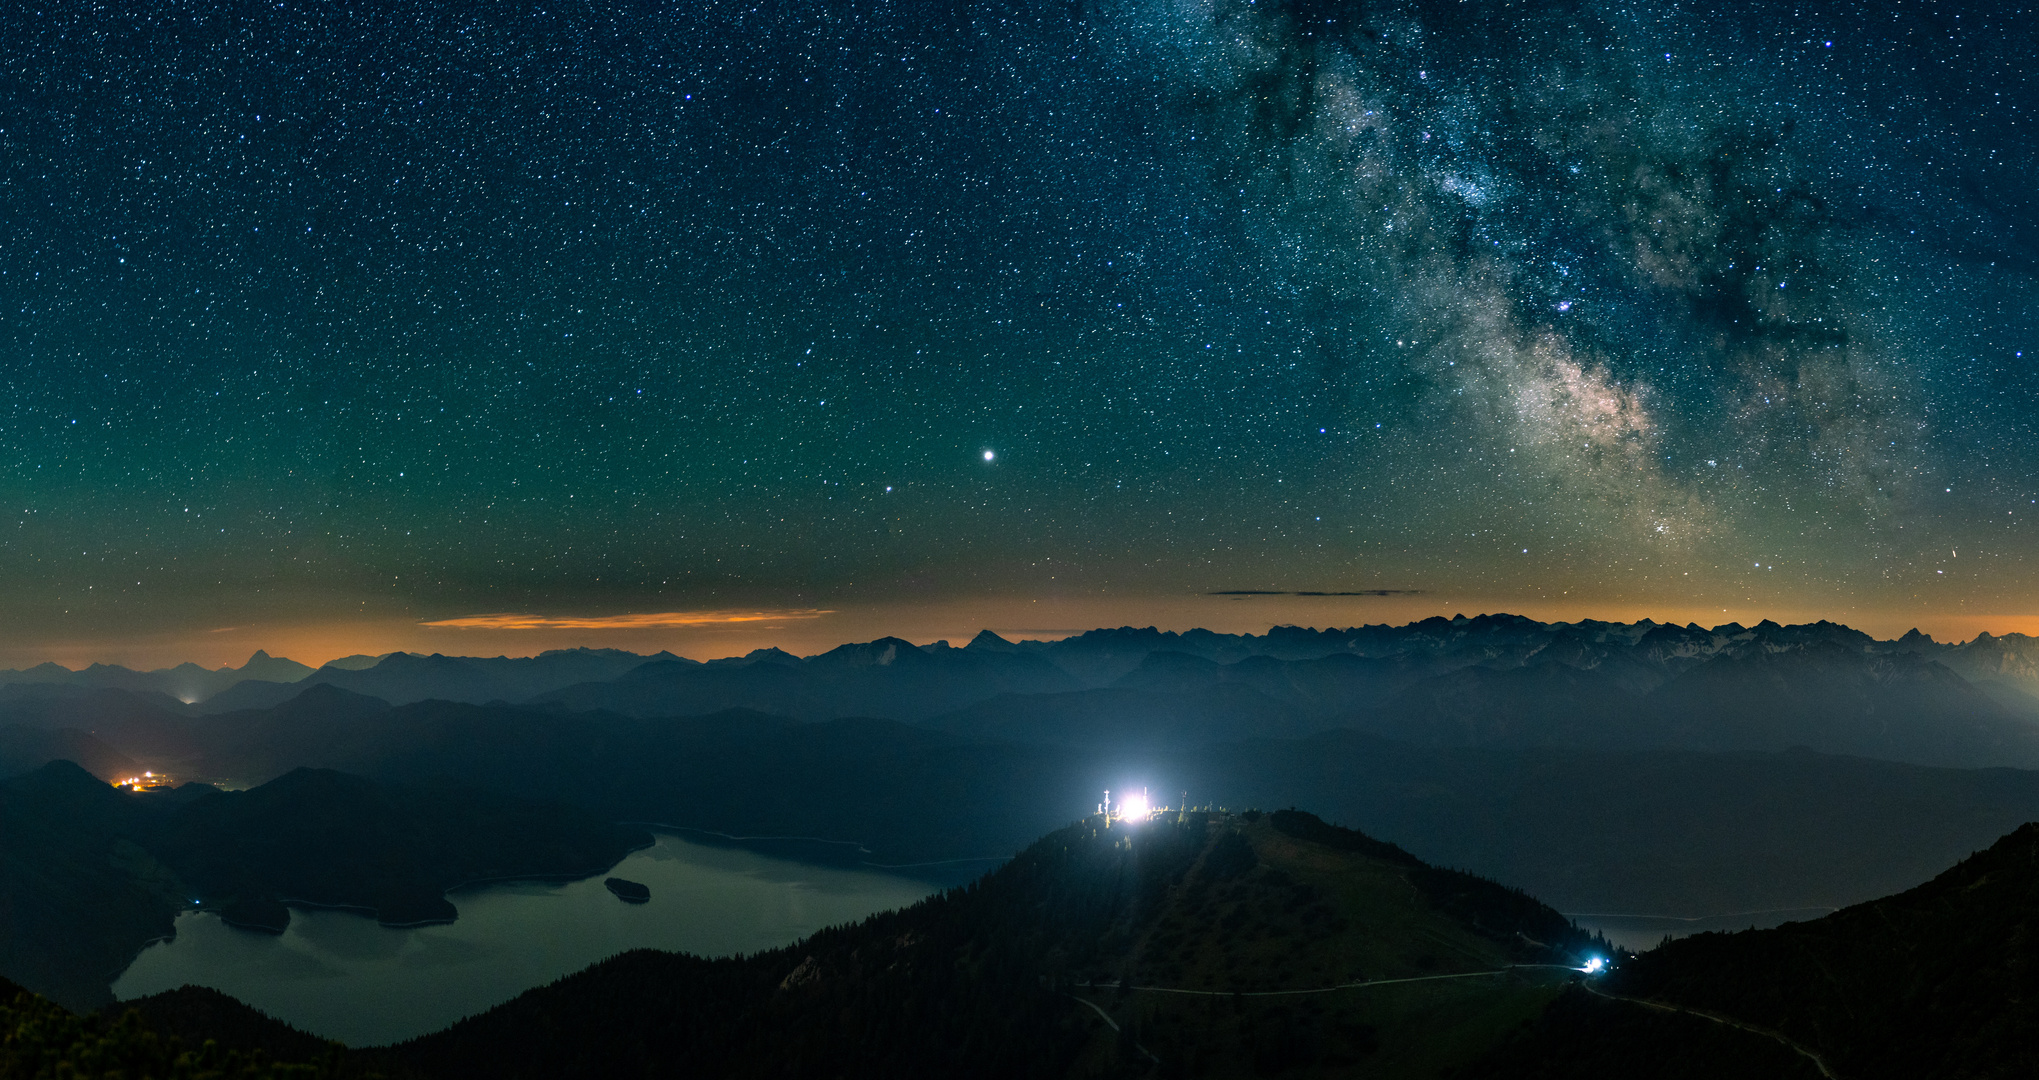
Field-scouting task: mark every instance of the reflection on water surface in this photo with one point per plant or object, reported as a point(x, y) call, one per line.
point(345, 977)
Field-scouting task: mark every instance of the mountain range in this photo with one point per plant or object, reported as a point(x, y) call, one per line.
point(1489, 681)
point(1611, 769)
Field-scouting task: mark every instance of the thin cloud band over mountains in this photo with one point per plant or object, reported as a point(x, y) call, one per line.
point(646, 620)
point(1312, 592)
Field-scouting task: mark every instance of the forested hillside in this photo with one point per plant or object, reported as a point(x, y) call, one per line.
point(1043, 968)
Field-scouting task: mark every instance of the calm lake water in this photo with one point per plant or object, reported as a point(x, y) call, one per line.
point(346, 978)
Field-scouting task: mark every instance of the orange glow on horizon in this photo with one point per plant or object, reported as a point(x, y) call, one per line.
point(658, 620)
point(704, 635)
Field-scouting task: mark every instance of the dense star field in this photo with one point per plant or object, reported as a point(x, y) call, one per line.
point(315, 312)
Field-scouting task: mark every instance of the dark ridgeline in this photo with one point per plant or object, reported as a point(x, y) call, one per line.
point(78, 896)
point(335, 840)
point(990, 979)
point(188, 1034)
point(1050, 966)
point(90, 874)
point(1940, 981)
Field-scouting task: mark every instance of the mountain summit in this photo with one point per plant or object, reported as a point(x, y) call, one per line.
point(1215, 944)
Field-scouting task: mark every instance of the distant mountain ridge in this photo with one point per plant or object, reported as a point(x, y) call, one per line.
point(1394, 679)
point(1498, 680)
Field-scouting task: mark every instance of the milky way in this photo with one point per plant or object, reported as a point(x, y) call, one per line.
point(418, 308)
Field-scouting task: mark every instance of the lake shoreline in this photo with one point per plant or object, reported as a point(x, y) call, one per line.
point(340, 974)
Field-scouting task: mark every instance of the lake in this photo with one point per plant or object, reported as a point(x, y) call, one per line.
point(345, 977)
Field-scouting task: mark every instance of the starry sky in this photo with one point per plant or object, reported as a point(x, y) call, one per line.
point(358, 326)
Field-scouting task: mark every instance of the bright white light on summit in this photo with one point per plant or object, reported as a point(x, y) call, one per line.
point(1134, 808)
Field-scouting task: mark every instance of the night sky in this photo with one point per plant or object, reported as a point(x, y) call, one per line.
point(362, 317)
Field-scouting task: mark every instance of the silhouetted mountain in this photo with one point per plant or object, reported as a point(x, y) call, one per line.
point(89, 874)
point(1840, 699)
point(43, 1039)
point(888, 677)
point(356, 662)
point(154, 731)
point(320, 724)
point(1539, 757)
point(986, 641)
point(1100, 657)
point(184, 683)
point(1200, 944)
point(1500, 680)
point(1486, 681)
point(1636, 669)
point(1172, 671)
point(1651, 832)
point(740, 772)
point(336, 840)
point(407, 677)
point(78, 895)
point(1013, 975)
point(49, 705)
point(401, 678)
point(273, 668)
point(1503, 680)
point(756, 656)
point(24, 748)
point(1934, 982)
point(249, 694)
point(195, 1014)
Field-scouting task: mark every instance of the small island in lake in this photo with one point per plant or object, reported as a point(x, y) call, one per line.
point(630, 892)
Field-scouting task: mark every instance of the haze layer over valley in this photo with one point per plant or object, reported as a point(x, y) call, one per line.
point(1627, 769)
